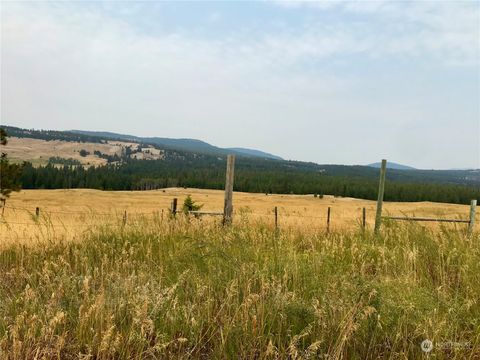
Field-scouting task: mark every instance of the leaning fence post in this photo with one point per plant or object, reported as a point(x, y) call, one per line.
point(228, 205)
point(471, 224)
point(381, 191)
point(328, 219)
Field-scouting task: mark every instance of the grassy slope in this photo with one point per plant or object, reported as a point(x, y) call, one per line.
point(178, 289)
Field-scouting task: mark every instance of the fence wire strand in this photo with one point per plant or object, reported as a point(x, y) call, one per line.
point(281, 216)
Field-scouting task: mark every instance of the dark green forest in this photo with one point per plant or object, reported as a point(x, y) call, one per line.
point(250, 176)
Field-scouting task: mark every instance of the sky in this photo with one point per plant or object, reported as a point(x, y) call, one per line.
point(329, 82)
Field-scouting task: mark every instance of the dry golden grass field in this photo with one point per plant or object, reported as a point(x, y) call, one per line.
point(66, 214)
point(76, 283)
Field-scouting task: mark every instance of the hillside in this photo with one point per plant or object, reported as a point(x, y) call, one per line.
point(82, 136)
point(126, 163)
point(256, 153)
point(43, 152)
point(191, 145)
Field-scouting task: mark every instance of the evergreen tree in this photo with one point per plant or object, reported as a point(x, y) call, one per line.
point(190, 205)
point(10, 174)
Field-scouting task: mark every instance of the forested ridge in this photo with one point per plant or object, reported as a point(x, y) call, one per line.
point(250, 176)
point(180, 168)
point(50, 135)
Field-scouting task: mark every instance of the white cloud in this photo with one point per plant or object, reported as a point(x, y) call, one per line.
point(446, 30)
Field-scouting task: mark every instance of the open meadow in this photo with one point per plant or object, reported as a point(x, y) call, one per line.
point(85, 286)
point(66, 214)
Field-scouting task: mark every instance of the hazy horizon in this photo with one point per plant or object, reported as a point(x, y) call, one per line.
point(327, 82)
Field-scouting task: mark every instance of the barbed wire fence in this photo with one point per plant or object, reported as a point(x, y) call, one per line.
point(275, 214)
point(36, 214)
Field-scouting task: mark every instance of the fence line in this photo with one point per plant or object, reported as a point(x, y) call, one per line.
point(406, 218)
point(50, 224)
point(274, 214)
point(379, 217)
point(93, 212)
point(65, 225)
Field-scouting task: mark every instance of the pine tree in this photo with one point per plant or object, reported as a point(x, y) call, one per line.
point(10, 174)
point(190, 205)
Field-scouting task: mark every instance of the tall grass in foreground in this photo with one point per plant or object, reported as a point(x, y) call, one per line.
point(187, 289)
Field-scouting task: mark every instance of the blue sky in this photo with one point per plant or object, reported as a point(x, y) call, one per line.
point(330, 82)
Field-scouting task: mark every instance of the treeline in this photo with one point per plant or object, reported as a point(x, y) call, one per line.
point(49, 135)
point(249, 177)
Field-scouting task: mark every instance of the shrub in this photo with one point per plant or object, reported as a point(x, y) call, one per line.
point(190, 205)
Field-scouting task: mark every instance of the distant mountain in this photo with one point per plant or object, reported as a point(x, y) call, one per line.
point(256, 153)
point(392, 165)
point(192, 145)
point(465, 169)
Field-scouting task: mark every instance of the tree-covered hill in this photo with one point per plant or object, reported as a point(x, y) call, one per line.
point(48, 135)
point(252, 174)
point(189, 145)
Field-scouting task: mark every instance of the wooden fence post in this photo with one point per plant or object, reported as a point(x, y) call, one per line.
point(174, 207)
point(328, 220)
point(276, 218)
point(228, 205)
point(125, 218)
point(37, 211)
point(471, 224)
point(364, 218)
point(381, 191)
